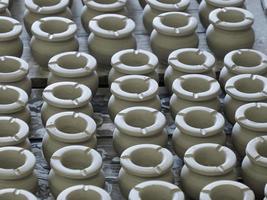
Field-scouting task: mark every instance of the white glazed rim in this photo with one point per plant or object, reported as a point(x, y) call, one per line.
point(92, 170)
point(221, 4)
point(4, 4)
point(18, 192)
point(12, 34)
point(127, 69)
point(162, 168)
point(54, 132)
point(109, 7)
point(58, 7)
point(253, 153)
point(158, 125)
point(182, 5)
point(59, 70)
point(216, 128)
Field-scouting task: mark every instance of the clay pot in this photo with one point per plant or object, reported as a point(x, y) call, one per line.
point(133, 90)
point(84, 192)
point(110, 33)
point(200, 170)
point(75, 165)
point(144, 162)
point(254, 166)
point(13, 103)
point(14, 71)
point(172, 31)
point(74, 66)
point(156, 7)
point(226, 190)
point(37, 9)
point(133, 62)
point(10, 42)
point(207, 6)
point(156, 190)
point(242, 89)
point(194, 90)
point(196, 125)
point(230, 29)
point(265, 191)
point(66, 96)
point(243, 61)
point(93, 8)
point(16, 194)
point(188, 61)
point(4, 8)
point(17, 169)
point(139, 125)
point(51, 36)
point(142, 3)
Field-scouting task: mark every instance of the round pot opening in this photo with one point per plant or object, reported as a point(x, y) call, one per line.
point(105, 1)
point(134, 60)
point(169, 1)
point(8, 129)
point(84, 194)
point(44, 3)
point(10, 159)
point(133, 118)
point(191, 58)
point(231, 16)
point(76, 160)
point(247, 59)
point(6, 26)
point(256, 114)
point(135, 86)
point(54, 26)
point(248, 85)
point(8, 96)
point(71, 125)
point(156, 192)
point(196, 85)
point(146, 157)
point(175, 20)
point(215, 158)
point(262, 148)
point(199, 119)
point(72, 62)
point(9, 65)
point(112, 23)
point(227, 192)
point(14, 195)
point(67, 92)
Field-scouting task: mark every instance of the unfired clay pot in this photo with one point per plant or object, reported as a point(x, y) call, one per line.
point(75, 165)
point(188, 61)
point(17, 169)
point(204, 164)
point(13, 103)
point(4, 8)
point(194, 90)
point(243, 61)
point(265, 192)
point(254, 166)
point(196, 125)
point(219, 190)
point(93, 8)
point(133, 62)
point(133, 90)
point(74, 66)
point(84, 192)
point(10, 42)
point(110, 33)
point(172, 31)
point(144, 162)
point(156, 190)
point(242, 89)
point(66, 96)
point(16, 194)
point(68, 128)
point(230, 29)
point(14, 71)
point(51, 36)
point(37, 9)
point(139, 125)
point(156, 7)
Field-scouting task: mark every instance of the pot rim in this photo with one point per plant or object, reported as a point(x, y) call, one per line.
point(265, 190)
point(61, 71)
point(188, 29)
point(92, 170)
point(62, 36)
point(108, 7)
point(4, 4)
point(57, 134)
point(163, 167)
point(253, 153)
point(227, 166)
point(129, 26)
point(149, 67)
point(222, 4)
point(14, 32)
point(60, 6)
point(181, 5)
point(18, 192)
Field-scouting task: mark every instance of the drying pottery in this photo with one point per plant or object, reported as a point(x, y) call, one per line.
point(4, 8)
point(142, 3)
point(265, 191)
point(16, 194)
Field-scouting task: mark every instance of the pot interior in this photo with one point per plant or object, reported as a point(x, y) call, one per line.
point(134, 60)
point(227, 192)
point(215, 158)
point(140, 118)
point(196, 85)
point(231, 16)
point(247, 59)
point(12, 196)
point(191, 58)
point(9, 65)
point(169, 1)
point(146, 157)
point(256, 114)
point(175, 20)
point(70, 124)
point(76, 160)
point(67, 92)
point(82, 194)
point(199, 119)
point(248, 85)
point(262, 148)
point(45, 3)
point(111, 23)
point(105, 1)
point(6, 26)
point(156, 192)
point(72, 61)
point(11, 159)
point(8, 129)
point(54, 26)
point(136, 86)
point(8, 96)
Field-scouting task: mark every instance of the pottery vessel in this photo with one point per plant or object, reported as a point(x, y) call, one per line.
point(4, 11)
point(154, 8)
point(75, 165)
point(17, 169)
point(265, 192)
point(16, 194)
point(200, 170)
point(188, 61)
point(37, 9)
point(66, 96)
point(10, 42)
point(196, 125)
point(194, 90)
point(139, 125)
point(110, 33)
point(51, 36)
point(156, 190)
point(93, 8)
point(144, 162)
point(142, 3)
point(254, 166)
point(172, 31)
point(84, 192)
point(230, 29)
point(242, 89)
point(243, 61)
point(74, 66)
point(226, 190)
point(133, 90)
point(133, 62)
